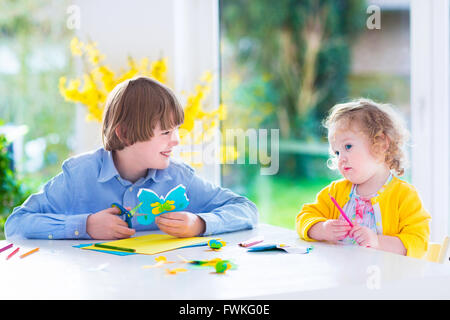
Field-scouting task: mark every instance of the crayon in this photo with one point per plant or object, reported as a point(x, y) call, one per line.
point(29, 252)
point(342, 211)
point(12, 253)
point(101, 245)
point(6, 247)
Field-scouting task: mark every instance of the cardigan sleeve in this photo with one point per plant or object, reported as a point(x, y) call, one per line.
point(414, 225)
point(312, 213)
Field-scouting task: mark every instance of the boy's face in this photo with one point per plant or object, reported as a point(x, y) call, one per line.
point(155, 153)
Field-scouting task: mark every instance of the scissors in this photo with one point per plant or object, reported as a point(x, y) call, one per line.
point(128, 213)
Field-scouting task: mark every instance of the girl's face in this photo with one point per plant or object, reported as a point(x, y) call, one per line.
point(352, 148)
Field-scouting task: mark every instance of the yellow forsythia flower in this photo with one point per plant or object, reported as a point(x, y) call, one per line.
point(76, 47)
point(99, 80)
point(207, 77)
point(158, 70)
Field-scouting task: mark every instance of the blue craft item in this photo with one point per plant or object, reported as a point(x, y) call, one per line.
point(125, 212)
point(265, 247)
point(282, 247)
point(216, 244)
point(117, 253)
point(222, 266)
point(154, 205)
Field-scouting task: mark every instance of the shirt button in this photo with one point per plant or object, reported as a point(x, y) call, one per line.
point(77, 233)
point(50, 236)
point(131, 189)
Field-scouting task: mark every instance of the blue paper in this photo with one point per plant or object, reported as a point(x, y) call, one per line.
point(124, 253)
point(154, 205)
point(264, 247)
point(118, 253)
point(282, 247)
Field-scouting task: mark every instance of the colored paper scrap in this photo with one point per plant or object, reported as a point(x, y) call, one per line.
point(282, 247)
point(175, 270)
point(216, 244)
point(160, 260)
point(218, 264)
point(205, 263)
point(153, 243)
point(222, 266)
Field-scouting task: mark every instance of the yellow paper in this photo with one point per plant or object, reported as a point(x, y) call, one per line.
point(153, 243)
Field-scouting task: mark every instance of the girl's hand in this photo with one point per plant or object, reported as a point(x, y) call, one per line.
point(181, 224)
point(330, 230)
point(364, 236)
point(107, 225)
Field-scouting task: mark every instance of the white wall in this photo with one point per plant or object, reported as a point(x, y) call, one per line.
point(186, 32)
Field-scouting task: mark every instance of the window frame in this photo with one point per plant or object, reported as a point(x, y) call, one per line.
point(430, 104)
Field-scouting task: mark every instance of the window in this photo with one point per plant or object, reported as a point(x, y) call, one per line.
point(33, 55)
point(285, 64)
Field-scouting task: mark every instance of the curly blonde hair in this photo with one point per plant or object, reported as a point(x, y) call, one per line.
point(379, 123)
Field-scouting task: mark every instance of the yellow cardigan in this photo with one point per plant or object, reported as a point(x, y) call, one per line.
point(402, 213)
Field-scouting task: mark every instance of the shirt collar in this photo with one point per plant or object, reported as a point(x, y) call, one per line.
point(353, 190)
point(159, 175)
point(108, 171)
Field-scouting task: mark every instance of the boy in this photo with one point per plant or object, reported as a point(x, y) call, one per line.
point(140, 129)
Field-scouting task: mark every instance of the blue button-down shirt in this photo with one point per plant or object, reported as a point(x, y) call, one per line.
point(90, 183)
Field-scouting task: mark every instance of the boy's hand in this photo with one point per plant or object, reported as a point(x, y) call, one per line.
point(364, 236)
point(106, 225)
point(181, 224)
point(330, 230)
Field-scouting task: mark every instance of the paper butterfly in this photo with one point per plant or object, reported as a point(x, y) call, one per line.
point(154, 205)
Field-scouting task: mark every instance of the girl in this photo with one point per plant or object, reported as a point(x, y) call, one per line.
point(366, 141)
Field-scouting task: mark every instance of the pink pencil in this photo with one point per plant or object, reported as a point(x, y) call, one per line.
point(342, 211)
point(251, 242)
point(6, 247)
point(12, 253)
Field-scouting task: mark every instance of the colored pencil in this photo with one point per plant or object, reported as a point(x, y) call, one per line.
point(251, 242)
point(342, 211)
point(12, 253)
point(101, 245)
point(29, 252)
point(6, 247)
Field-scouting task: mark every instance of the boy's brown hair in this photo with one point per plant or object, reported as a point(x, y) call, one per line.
point(133, 109)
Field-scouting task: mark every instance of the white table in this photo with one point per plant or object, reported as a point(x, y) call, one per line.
point(59, 271)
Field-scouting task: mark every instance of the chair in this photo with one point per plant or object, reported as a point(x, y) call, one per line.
point(438, 252)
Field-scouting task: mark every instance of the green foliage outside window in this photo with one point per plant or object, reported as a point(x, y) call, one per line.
point(284, 64)
point(302, 48)
point(34, 46)
point(12, 190)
